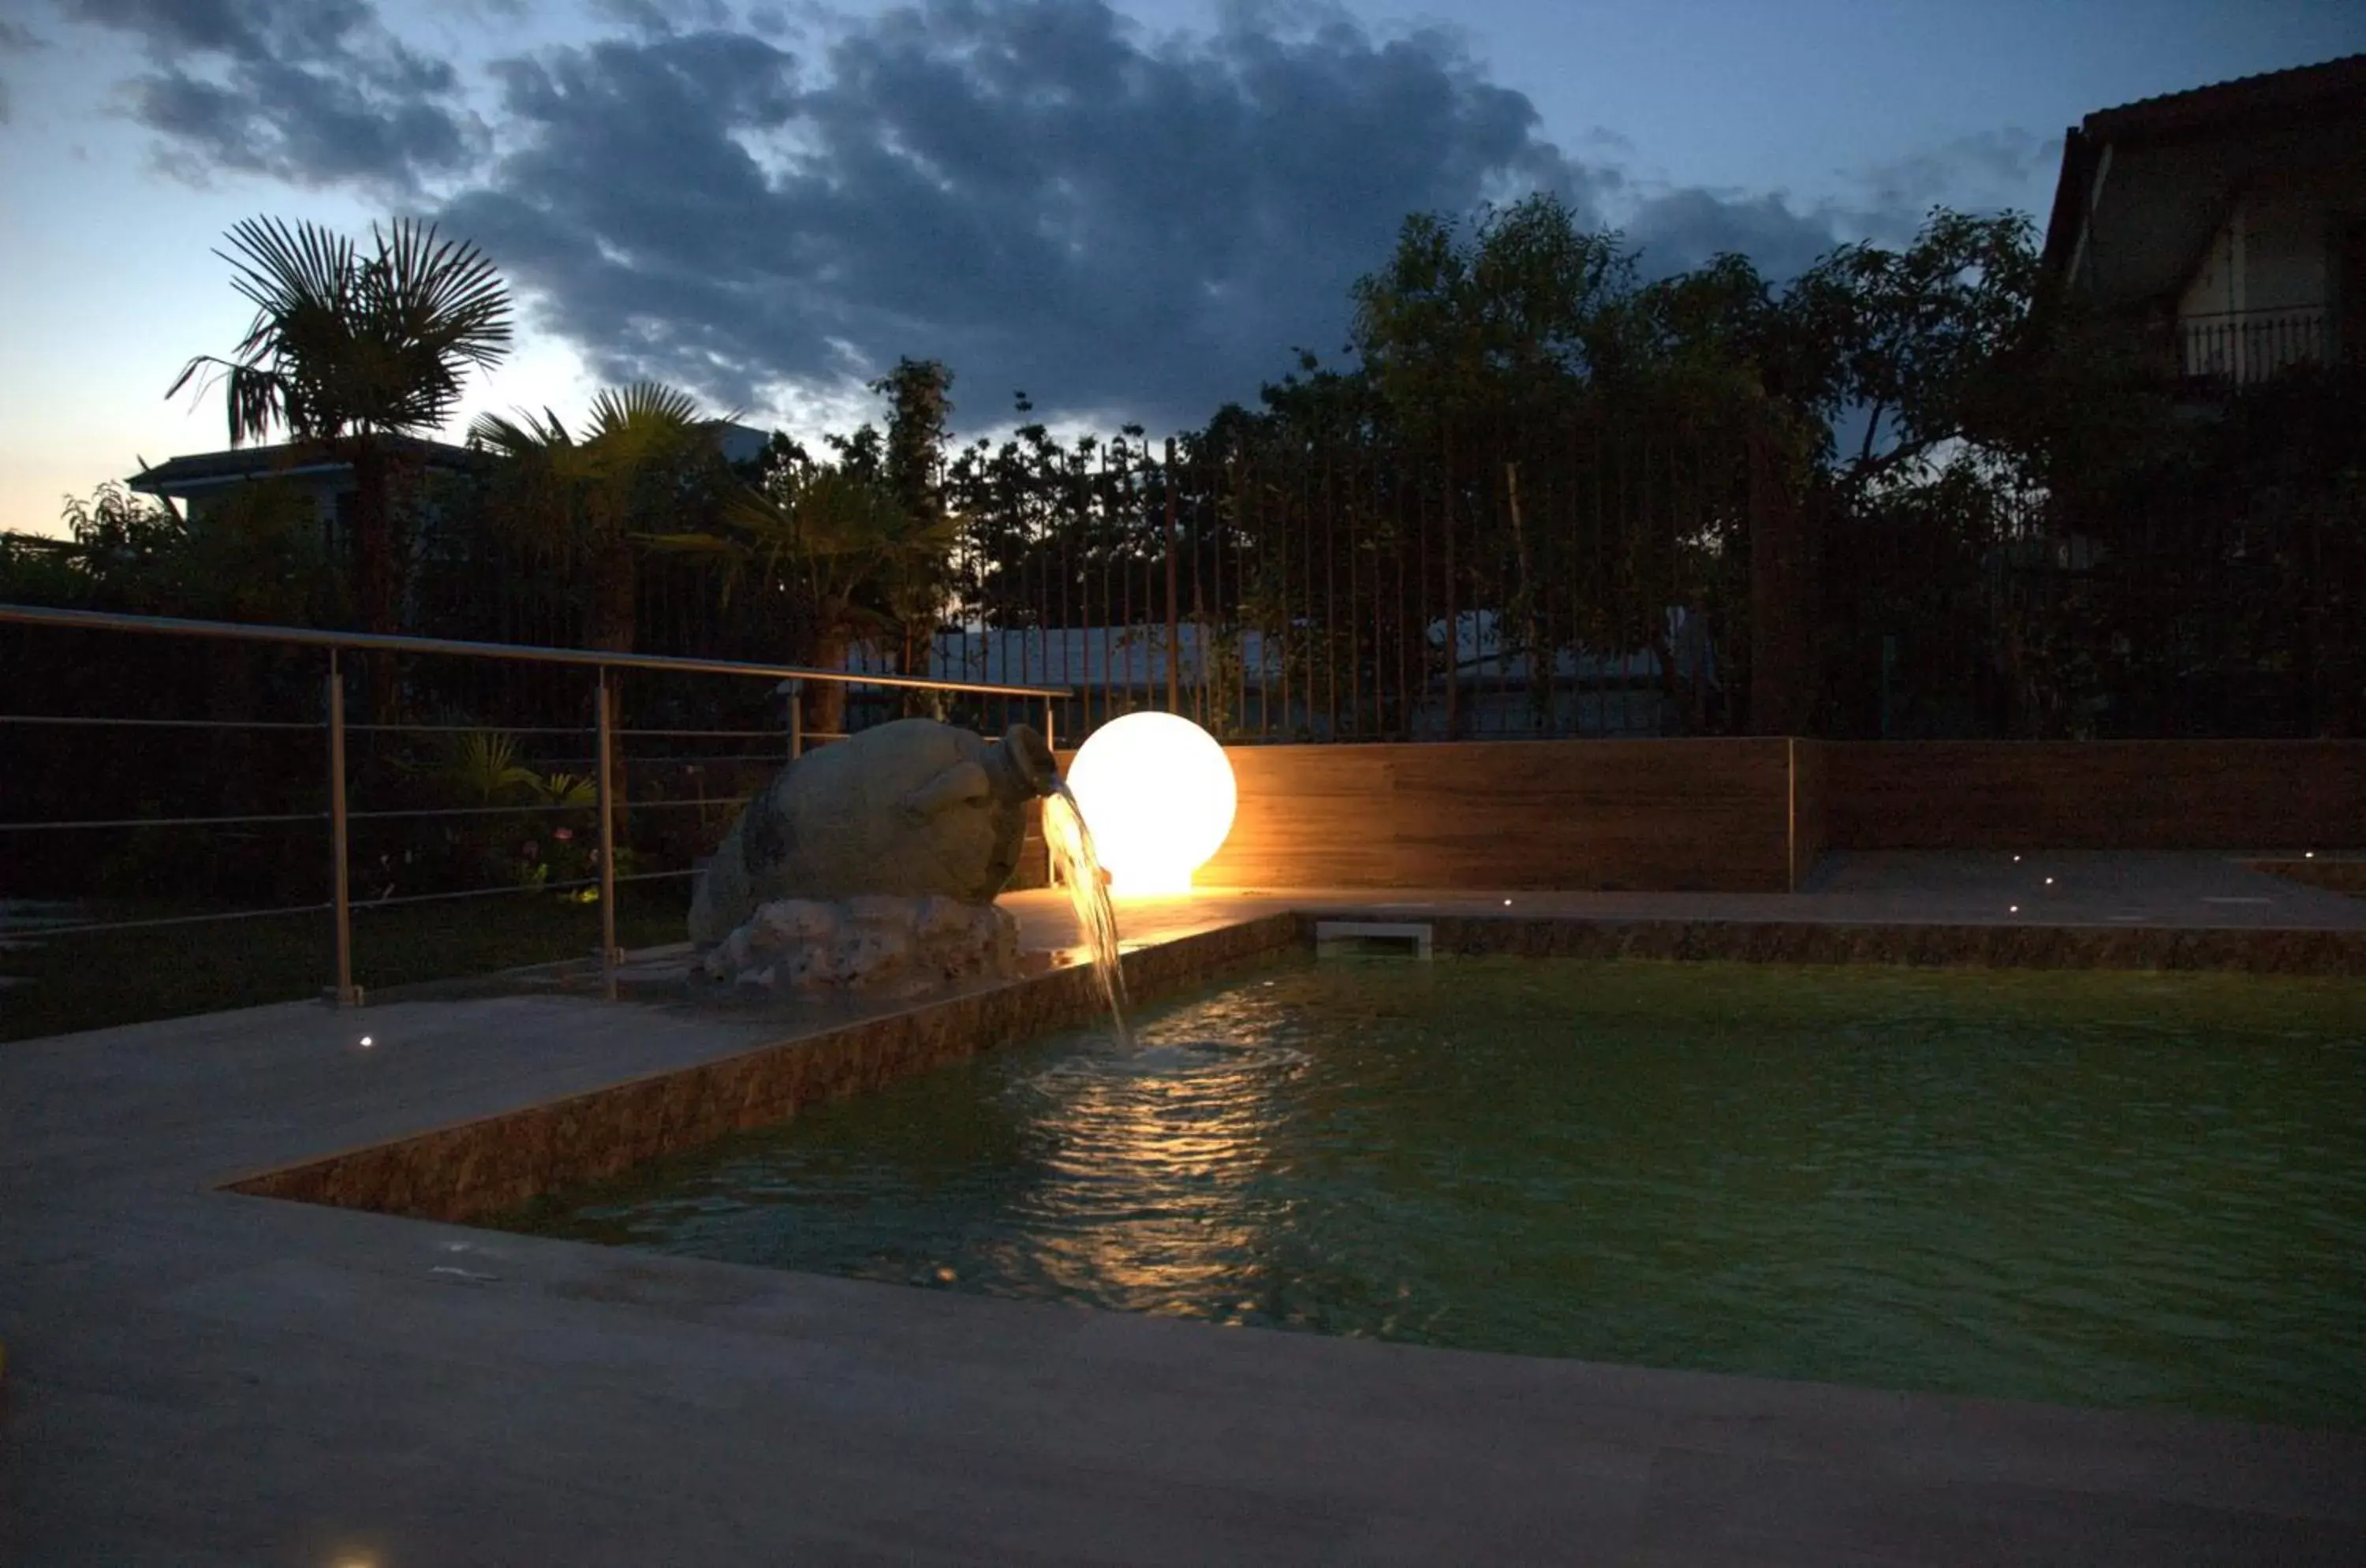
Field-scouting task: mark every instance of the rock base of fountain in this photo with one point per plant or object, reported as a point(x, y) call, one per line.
point(876, 944)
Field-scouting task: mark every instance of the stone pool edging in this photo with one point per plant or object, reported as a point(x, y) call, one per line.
point(493, 1164)
point(2267, 951)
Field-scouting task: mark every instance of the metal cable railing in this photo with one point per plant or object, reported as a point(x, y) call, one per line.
point(583, 658)
point(167, 821)
point(89, 927)
point(604, 759)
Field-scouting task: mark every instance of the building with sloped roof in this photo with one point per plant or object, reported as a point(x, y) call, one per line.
point(2227, 222)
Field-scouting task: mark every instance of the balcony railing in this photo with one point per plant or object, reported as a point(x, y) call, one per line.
point(2248, 346)
point(600, 670)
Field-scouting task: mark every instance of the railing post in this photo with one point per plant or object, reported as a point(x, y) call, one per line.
point(1051, 744)
point(1174, 627)
point(795, 692)
point(345, 994)
point(609, 955)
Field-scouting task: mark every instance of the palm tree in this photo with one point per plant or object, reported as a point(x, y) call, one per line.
point(638, 462)
point(348, 350)
point(863, 563)
point(606, 492)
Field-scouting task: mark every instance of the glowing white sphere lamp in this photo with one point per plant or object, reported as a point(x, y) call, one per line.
point(1156, 791)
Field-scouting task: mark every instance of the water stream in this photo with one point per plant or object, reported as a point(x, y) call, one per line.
point(1078, 869)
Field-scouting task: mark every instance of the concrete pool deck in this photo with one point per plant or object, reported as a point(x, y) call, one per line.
point(198, 1377)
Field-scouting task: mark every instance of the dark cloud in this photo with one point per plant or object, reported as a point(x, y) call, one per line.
point(660, 20)
point(313, 92)
point(1031, 190)
point(502, 13)
point(1989, 171)
point(15, 39)
point(1886, 204)
point(1680, 228)
point(1038, 192)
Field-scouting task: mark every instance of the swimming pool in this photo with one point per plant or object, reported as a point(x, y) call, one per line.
point(2113, 1189)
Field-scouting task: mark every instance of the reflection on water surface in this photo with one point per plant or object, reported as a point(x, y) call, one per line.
point(2135, 1190)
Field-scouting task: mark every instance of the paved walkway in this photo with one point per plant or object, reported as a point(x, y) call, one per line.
point(197, 1378)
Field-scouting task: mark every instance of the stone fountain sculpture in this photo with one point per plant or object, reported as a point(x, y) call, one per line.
point(872, 864)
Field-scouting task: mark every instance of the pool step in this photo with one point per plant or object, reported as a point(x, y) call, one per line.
point(1408, 938)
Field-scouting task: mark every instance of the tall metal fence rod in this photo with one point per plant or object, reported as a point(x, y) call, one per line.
point(1174, 627)
point(610, 955)
point(346, 994)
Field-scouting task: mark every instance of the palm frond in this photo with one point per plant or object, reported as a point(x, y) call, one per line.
point(282, 269)
point(342, 344)
point(568, 789)
point(483, 764)
point(641, 426)
point(523, 436)
point(445, 295)
point(615, 408)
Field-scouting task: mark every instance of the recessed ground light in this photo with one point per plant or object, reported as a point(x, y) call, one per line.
point(2049, 882)
point(2013, 908)
point(1507, 903)
point(2308, 854)
point(2016, 857)
point(365, 1042)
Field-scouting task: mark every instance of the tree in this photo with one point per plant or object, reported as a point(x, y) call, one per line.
point(646, 449)
point(1514, 316)
point(1523, 358)
point(912, 466)
point(121, 556)
point(253, 556)
point(913, 461)
point(836, 536)
point(1925, 342)
point(349, 349)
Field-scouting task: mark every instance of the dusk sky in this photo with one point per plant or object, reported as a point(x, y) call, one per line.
point(1132, 213)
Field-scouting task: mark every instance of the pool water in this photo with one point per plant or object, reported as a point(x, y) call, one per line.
point(2128, 1190)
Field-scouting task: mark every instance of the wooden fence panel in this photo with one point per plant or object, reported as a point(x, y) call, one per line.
point(1706, 814)
point(2096, 794)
